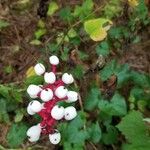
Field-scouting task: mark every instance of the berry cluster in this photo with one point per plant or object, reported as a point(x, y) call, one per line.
point(50, 93)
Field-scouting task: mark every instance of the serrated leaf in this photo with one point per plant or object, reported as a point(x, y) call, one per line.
point(116, 107)
point(119, 105)
point(52, 8)
point(110, 137)
point(16, 134)
point(73, 132)
point(92, 99)
point(78, 71)
point(138, 138)
point(3, 111)
point(113, 68)
point(103, 48)
point(140, 79)
point(65, 14)
point(95, 28)
point(84, 10)
point(95, 132)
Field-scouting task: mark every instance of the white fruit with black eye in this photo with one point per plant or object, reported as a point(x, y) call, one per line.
point(35, 106)
point(46, 95)
point(54, 60)
point(39, 69)
point(34, 133)
point(61, 92)
point(57, 112)
point(55, 138)
point(49, 77)
point(67, 78)
point(72, 96)
point(33, 90)
point(70, 113)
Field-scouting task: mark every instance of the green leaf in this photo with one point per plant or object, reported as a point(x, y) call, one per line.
point(138, 138)
point(19, 115)
point(39, 33)
point(4, 117)
point(65, 53)
point(65, 14)
point(95, 28)
point(121, 71)
point(83, 55)
point(41, 24)
point(92, 99)
point(103, 48)
point(16, 134)
point(4, 91)
point(112, 9)
point(116, 107)
point(140, 79)
point(72, 33)
point(84, 11)
point(119, 105)
point(8, 69)
point(52, 8)
point(110, 137)
point(95, 132)
point(3, 24)
point(37, 80)
point(78, 71)
point(73, 132)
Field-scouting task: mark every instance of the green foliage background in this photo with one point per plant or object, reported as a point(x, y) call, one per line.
point(109, 121)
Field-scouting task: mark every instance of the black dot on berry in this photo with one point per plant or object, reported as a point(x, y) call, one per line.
point(31, 103)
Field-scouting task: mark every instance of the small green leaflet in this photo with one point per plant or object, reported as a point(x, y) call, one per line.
point(16, 134)
point(94, 132)
point(103, 48)
point(92, 99)
point(3, 24)
point(52, 8)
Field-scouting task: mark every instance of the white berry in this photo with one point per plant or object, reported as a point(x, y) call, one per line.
point(29, 111)
point(57, 112)
point(35, 106)
point(67, 78)
point(55, 138)
point(33, 90)
point(49, 77)
point(34, 133)
point(70, 113)
point(54, 60)
point(39, 69)
point(46, 95)
point(61, 92)
point(72, 96)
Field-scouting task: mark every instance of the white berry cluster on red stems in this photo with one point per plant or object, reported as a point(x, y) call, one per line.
point(51, 93)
